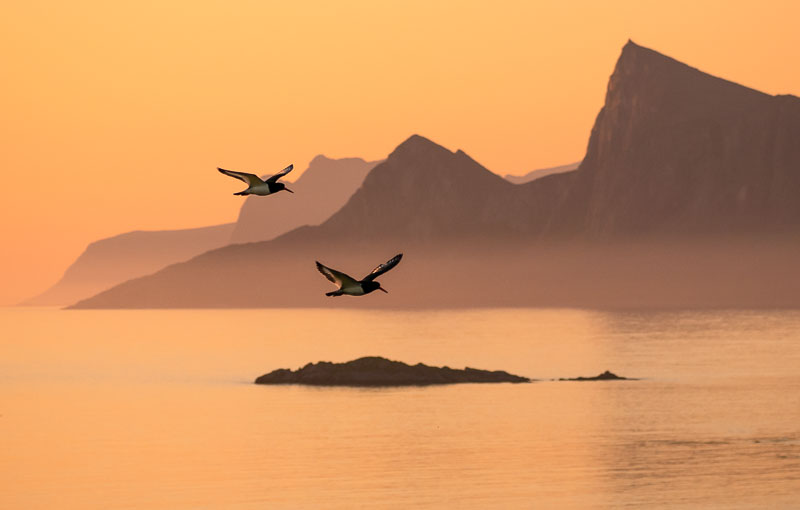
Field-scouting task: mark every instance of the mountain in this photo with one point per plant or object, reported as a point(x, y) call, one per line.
point(319, 192)
point(421, 194)
point(322, 189)
point(686, 198)
point(677, 151)
point(425, 193)
point(115, 259)
point(536, 174)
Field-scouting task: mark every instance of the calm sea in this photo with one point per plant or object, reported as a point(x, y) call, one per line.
point(156, 410)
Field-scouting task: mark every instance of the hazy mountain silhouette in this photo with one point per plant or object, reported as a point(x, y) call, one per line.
point(115, 259)
point(322, 189)
point(419, 195)
point(319, 192)
point(686, 183)
point(536, 174)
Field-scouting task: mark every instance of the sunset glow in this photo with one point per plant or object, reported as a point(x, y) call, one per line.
point(116, 115)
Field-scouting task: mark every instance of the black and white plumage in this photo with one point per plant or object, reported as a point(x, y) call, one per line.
point(256, 186)
point(352, 287)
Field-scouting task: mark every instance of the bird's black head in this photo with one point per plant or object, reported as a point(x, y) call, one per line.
point(282, 187)
point(371, 286)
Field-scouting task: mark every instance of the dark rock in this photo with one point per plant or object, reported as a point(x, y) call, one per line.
point(605, 376)
point(377, 371)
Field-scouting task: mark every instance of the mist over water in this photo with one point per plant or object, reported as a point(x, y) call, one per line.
point(155, 409)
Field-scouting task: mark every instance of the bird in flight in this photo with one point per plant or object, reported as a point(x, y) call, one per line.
point(255, 186)
point(352, 287)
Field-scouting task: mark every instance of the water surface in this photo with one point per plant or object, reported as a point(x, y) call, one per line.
point(156, 410)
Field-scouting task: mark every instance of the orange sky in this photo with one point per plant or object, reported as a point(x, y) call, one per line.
point(115, 114)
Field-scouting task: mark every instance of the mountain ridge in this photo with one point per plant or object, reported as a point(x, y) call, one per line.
point(682, 170)
point(540, 172)
point(320, 191)
point(113, 260)
point(677, 150)
point(325, 185)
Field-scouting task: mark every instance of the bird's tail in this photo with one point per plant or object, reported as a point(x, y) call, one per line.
point(242, 193)
point(334, 293)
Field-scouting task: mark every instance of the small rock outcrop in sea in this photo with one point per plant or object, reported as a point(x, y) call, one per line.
point(377, 371)
point(605, 376)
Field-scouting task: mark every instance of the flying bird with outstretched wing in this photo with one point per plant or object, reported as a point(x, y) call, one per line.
point(257, 186)
point(350, 286)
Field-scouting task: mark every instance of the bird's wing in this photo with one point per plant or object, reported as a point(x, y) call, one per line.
point(280, 174)
point(384, 267)
point(250, 179)
point(337, 277)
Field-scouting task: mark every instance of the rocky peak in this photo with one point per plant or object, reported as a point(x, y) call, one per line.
point(423, 190)
point(674, 148)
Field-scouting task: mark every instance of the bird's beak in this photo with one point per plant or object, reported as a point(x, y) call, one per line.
point(381, 288)
point(287, 189)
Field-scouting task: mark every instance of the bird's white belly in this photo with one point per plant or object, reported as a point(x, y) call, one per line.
point(354, 290)
point(259, 190)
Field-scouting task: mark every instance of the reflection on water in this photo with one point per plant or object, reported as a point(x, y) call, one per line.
point(154, 409)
